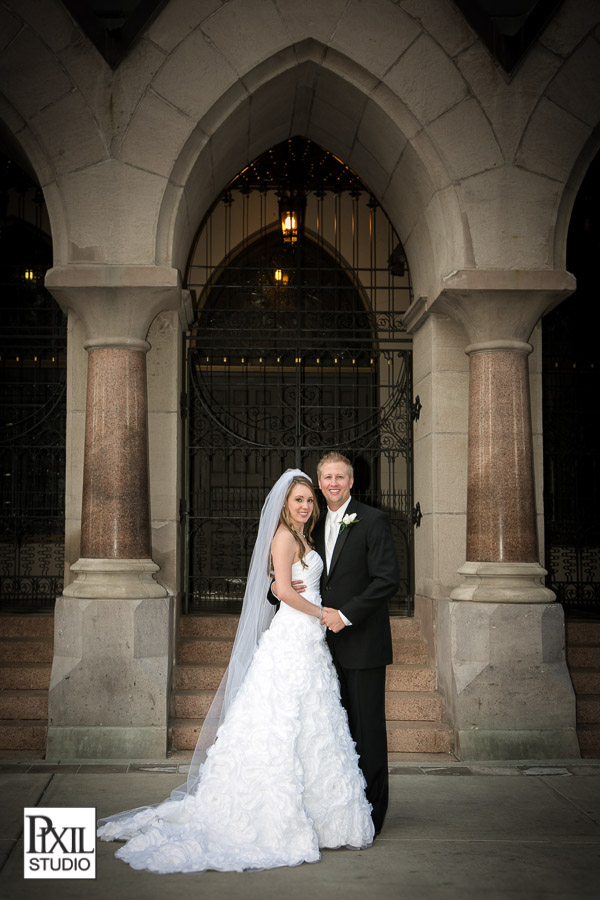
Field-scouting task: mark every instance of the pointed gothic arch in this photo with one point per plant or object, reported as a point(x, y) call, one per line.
point(293, 351)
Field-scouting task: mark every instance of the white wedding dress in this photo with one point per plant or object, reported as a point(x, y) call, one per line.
point(282, 778)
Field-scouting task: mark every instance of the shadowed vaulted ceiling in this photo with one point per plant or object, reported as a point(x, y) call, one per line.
point(508, 28)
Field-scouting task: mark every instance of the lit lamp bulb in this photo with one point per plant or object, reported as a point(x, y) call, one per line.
point(289, 224)
point(289, 227)
point(278, 275)
point(291, 214)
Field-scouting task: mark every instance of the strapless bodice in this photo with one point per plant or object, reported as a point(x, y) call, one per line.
point(310, 574)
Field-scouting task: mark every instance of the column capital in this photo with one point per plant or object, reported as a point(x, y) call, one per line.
point(506, 344)
point(117, 304)
point(494, 304)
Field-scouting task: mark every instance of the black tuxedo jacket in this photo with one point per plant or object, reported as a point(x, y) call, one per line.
point(362, 577)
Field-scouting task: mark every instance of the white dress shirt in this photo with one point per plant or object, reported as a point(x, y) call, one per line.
point(338, 515)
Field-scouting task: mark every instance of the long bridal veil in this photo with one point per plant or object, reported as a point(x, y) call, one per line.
point(255, 618)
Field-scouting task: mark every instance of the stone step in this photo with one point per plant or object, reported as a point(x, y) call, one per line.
point(208, 626)
point(183, 733)
point(413, 706)
point(36, 625)
point(419, 737)
point(410, 653)
point(24, 705)
point(583, 633)
point(225, 626)
point(406, 629)
point(198, 676)
point(400, 705)
point(410, 678)
point(582, 656)
point(23, 735)
point(585, 681)
point(26, 650)
point(209, 650)
point(403, 737)
point(192, 704)
point(589, 740)
point(583, 659)
point(588, 710)
point(412, 700)
point(199, 650)
point(25, 676)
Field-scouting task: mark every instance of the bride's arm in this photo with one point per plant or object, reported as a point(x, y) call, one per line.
point(283, 550)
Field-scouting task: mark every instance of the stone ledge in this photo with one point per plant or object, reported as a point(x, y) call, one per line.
point(399, 764)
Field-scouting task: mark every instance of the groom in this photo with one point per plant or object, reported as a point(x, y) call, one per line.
point(360, 575)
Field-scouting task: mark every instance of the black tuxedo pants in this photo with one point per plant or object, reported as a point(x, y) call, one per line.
point(363, 697)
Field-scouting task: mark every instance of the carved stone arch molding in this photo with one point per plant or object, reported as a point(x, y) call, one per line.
point(307, 90)
point(407, 98)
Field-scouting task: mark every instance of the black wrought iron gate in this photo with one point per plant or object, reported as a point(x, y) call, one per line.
point(293, 352)
point(33, 387)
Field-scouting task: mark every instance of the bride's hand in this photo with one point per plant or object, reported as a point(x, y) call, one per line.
point(332, 619)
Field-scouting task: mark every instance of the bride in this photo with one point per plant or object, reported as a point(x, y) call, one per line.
point(275, 774)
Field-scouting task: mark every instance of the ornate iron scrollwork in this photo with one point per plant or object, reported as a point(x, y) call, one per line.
point(32, 449)
point(294, 351)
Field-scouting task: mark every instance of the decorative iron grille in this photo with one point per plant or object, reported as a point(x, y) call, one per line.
point(294, 351)
point(570, 389)
point(32, 447)
point(572, 481)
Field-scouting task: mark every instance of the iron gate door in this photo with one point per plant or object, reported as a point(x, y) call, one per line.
point(276, 375)
point(298, 347)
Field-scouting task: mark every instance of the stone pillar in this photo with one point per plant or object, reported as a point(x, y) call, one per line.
point(501, 523)
point(113, 624)
point(500, 636)
point(115, 526)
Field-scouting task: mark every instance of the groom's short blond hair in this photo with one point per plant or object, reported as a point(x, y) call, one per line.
point(334, 457)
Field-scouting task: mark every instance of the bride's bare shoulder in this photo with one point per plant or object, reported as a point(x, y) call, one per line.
point(284, 539)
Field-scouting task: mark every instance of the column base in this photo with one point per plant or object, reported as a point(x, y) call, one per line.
point(109, 688)
point(497, 582)
point(98, 742)
point(111, 579)
point(506, 685)
point(480, 744)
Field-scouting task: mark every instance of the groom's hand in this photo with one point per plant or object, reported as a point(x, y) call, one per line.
point(298, 586)
point(332, 619)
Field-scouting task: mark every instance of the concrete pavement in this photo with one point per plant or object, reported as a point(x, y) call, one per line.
point(526, 830)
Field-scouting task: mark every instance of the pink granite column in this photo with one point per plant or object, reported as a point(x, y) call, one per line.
point(115, 510)
point(501, 523)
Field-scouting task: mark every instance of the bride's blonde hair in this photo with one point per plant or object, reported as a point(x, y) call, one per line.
point(286, 520)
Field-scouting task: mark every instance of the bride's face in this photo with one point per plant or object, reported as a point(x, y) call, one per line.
point(300, 506)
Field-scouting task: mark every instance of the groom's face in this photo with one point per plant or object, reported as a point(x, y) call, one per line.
point(335, 482)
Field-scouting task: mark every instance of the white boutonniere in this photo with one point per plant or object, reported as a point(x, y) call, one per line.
point(348, 520)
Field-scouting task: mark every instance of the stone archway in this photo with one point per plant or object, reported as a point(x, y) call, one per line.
point(468, 166)
point(408, 179)
point(296, 347)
